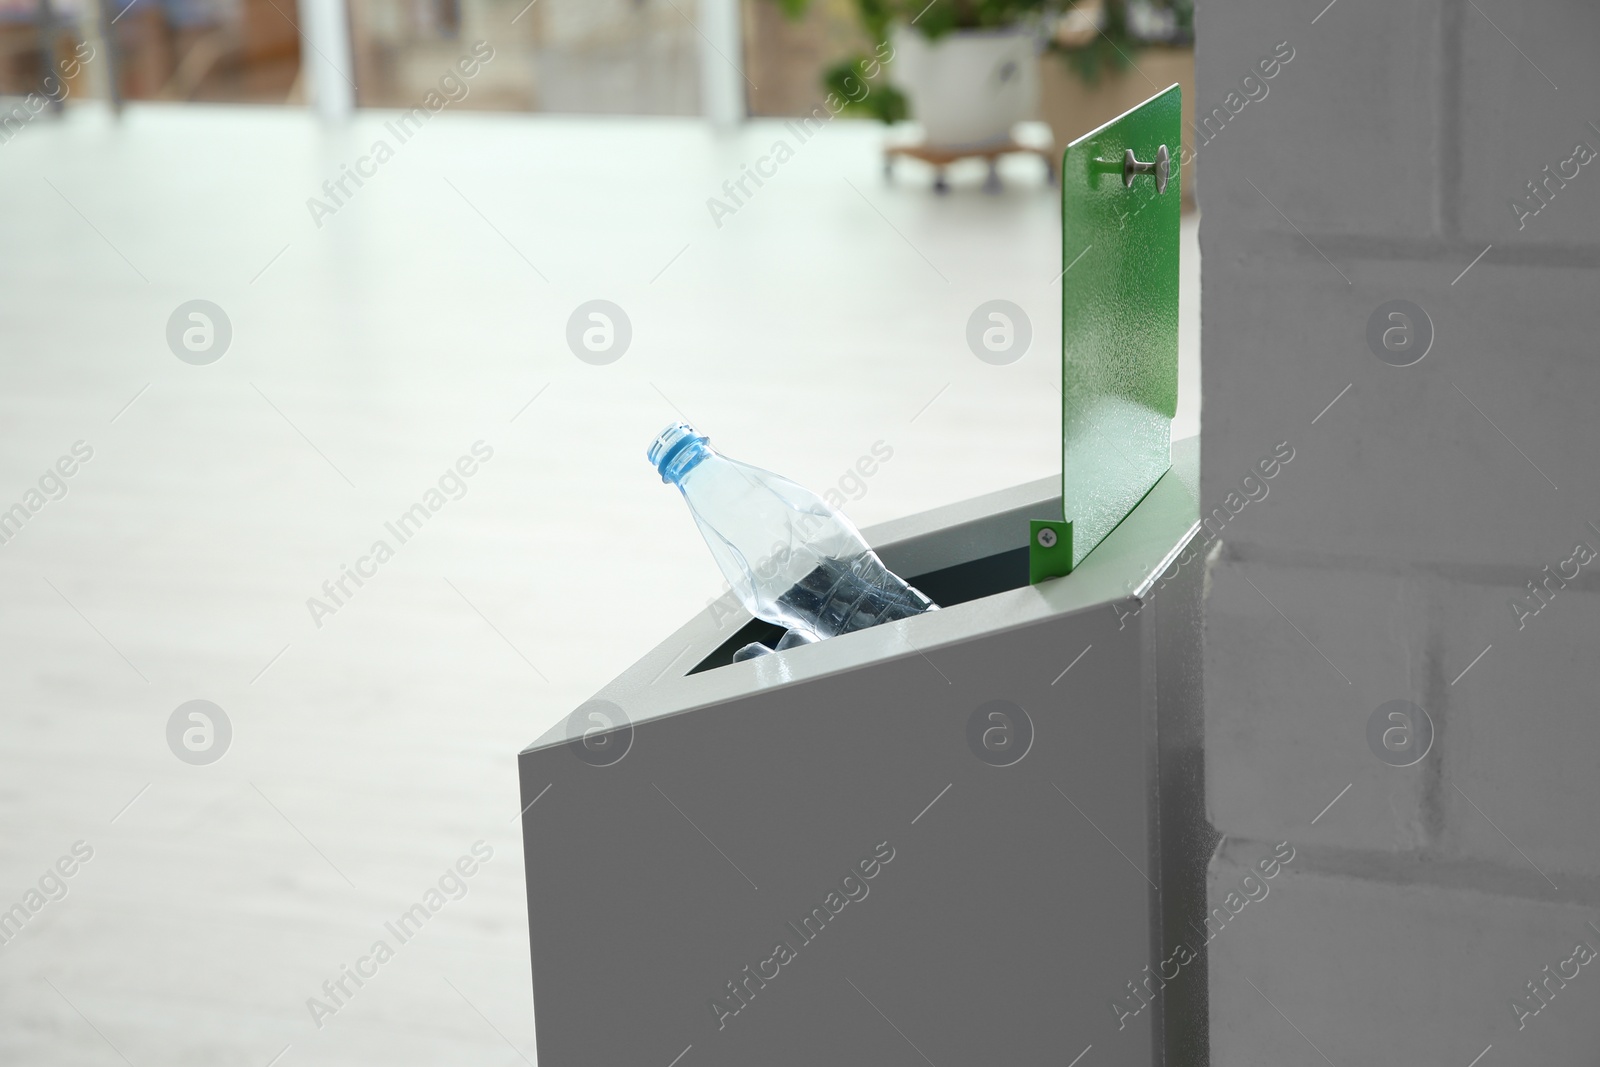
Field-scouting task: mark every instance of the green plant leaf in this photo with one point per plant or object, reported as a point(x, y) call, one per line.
point(881, 101)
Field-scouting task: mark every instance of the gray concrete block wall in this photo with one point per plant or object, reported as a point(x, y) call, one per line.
point(1511, 126)
point(1385, 116)
point(1516, 735)
point(1377, 964)
point(1391, 558)
point(1268, 775)
point(1524, 743)
point(1457, 448)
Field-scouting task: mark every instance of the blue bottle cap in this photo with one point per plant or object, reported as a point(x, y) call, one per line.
point(677, 449)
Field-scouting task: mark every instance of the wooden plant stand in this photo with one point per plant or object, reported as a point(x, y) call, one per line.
point(941, 158)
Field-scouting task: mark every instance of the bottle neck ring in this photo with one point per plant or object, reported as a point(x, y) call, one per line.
point(677, 450)
point(683, 458)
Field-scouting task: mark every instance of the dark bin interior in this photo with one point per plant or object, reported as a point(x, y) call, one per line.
point(947, 587)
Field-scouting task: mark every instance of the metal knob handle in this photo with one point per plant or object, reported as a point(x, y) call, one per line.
point(1161, 168)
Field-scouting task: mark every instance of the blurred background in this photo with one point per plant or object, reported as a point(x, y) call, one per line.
point(622, 57)
point(273, 269)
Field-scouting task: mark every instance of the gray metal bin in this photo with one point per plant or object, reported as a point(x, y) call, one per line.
point(954, 840)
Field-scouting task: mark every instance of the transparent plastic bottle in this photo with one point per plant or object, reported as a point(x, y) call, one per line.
point(790, 557)
point(790, 639)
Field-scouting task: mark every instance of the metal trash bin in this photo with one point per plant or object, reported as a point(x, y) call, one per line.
point(975, 836)
point(954, 839)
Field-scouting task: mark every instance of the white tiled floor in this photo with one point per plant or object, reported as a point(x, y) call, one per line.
point(826, 315)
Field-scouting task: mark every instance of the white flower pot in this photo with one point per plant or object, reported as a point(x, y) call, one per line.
point(968, 88)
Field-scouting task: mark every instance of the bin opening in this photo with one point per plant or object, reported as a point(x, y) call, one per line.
point(947, 587)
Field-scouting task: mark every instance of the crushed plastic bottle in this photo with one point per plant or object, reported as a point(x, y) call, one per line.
point(789, 640)
point(790, 557)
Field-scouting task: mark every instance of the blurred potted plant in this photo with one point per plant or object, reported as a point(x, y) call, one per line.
point(968, 70)
point(1096, 37)
point(973, 72)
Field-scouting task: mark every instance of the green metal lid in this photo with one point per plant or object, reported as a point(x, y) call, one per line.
point(1120, 205)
